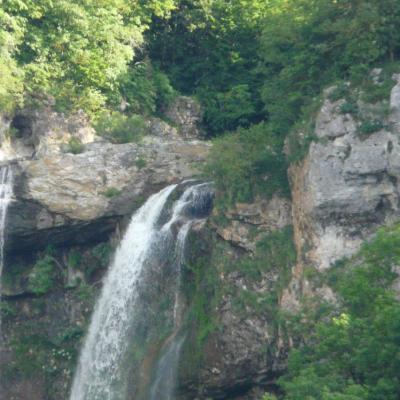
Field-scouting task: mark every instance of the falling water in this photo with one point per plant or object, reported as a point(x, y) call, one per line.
point(165, 376)
point(6, 191)
point(102, 372)
point(163, 386)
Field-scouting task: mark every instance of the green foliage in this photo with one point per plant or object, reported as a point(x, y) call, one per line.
point(268, 396)
point(349, 108)
point(307, 45)
point(341, 91)
point(74, 259)
point(354, 353)
point(204, 288)
point(7, 310)
point(210, 48)
point(120, 128)
point(140, 163)
point(228, 110)
point(75, 50)
point(247, 163)
point(111, 192)
point(146, 90)
point(86, 293)
point(102, 252)
point(275, 251)
point(370, 126)
point(42, 276)
point(75, 146)
point(30, 352)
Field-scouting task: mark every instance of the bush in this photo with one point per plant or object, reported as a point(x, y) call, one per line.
point(349, 108)
point(145, 89)
point(229, 110)
point(41, 279)
point(120, 128)
point(111, 192)
point(140, 163)
point(75, 146)
point(370, 126)
point(246, 163)
point(351, 351)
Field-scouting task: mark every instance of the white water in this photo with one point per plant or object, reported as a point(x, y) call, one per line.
point(166, 371)
point(103, 365)
point(163, 386)
point(6, 192)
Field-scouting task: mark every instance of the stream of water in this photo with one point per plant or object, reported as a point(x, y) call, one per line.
point(102, 371)
point(6, 192)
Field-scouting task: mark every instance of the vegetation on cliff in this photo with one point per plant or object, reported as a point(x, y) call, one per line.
point(349, 350)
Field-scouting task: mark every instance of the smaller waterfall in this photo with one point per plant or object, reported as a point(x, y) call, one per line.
point(163, 387)
point(6, 192)
point(166, 370)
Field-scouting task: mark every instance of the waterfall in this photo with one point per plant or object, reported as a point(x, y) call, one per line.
point(166, 371)
point(103, 368)
point(163, 385)
point(6, 192)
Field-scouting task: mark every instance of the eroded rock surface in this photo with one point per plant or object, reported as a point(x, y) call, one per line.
point(347, 187)
point(60, 196)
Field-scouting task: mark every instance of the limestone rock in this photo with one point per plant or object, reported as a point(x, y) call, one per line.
point(343, 191)
point(246, 222)
point(68, 193)
point(186, 114)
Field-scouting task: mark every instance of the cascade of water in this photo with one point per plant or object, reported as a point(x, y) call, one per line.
point(6, 192)
point(163, 386)
point(102, 369)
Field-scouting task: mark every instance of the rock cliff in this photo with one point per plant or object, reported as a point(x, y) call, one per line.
point(244, 267)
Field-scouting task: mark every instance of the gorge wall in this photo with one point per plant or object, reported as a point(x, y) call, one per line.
point(243, 268)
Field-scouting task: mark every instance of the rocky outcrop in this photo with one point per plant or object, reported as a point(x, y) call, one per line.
point(346, 187)
point(186, 113)
point(240, 352)
point(245, 223)
point(62, 197)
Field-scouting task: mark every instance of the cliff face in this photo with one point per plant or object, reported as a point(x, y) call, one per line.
point(244, 267)
point(63, 225)
point(346, 187)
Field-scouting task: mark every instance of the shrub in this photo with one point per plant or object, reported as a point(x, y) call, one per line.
point(74, 258)
point(41, 279)
point(370, 126)
point(120, 128)
point(146, 89)
point(246, 163)
point(140, 163)
point(349, 107)
point(75, 146)
point(350, 351)
point(339, 92)
point(111, 192)
point(229, 110)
